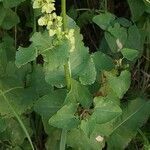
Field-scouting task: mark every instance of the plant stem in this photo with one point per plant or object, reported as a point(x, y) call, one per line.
point(63, 139)
point(67, 72)
point(64, 15)
point(67, 69)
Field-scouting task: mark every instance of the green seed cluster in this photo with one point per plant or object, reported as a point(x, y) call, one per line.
point(52, 21)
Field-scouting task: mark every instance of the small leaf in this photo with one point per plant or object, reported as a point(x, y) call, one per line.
point(137, 8)
point(120, 84)
point(120, 33)
point(25, 55)
point(129, 54)
point(65, 117)
point(104, 20)
point(105, 110)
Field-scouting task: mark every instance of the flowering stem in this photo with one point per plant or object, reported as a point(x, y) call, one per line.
point(67, 72)
point(67, 69)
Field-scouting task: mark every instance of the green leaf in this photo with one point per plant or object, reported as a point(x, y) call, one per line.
point(105, 110)
point(134, 40)
point(65, 117)
point(103, 61)
point(57, 56)
point(25, 55)
point(79, 94)
point(88, 75)
point(38, 83)
point(8, 18)
point(137, 9)
point(104, 20)
point(15, 135)
point(52, 142)
point(78, 140)
point(42, 41)
point(11, 3)
point(119, 84)
point(111, 41)
point(8, 46)
point(129, 54)
point(79, 61)
point(49, 104)
point(124, 22)
point(85, 18)
point(17, 98)
point(125, 128)
point(120, 34)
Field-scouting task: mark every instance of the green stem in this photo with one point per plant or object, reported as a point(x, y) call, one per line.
point(19, 120)
point(63, 139)
point(67, 72)
point(64, 14)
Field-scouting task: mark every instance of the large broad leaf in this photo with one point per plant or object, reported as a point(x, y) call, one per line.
point(80, 62)
point(42, 41)
point(79, 94)
point(125, 128)
point(65, 118)
point(38, 83)
point(54, 61)
point(49, 104)
point(25, 55)
point(58, 56)
point(129, 54)
point(11, 3)
point(137, 8)
point(14, 98)
point(15, 135)
point(77, 139)
point(8, 18)
point(105, 110)
point(104, 20)
point(103, 62)
point(119, 85)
